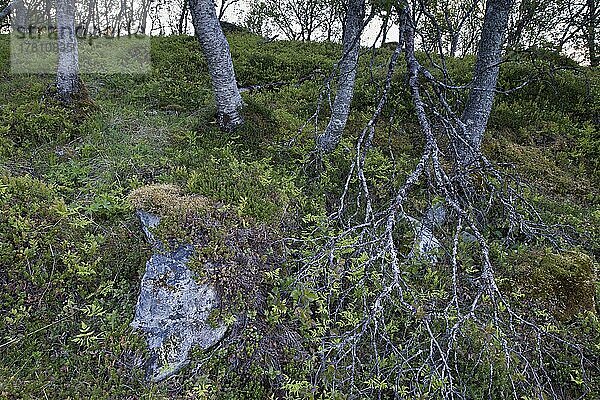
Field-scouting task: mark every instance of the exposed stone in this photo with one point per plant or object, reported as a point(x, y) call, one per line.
point(149, 221)
point(426, 246)
point(173, 309)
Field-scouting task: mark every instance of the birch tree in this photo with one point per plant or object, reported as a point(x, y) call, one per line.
point(450, 27)
point(220, 65)
point(20, 15)
point(67, 79)
point(473, 122)
point(303, 20)
point(487, 66)
point(353, 27)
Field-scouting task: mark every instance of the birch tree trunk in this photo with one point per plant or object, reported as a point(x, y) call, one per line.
point(485, 77)
point(144, 17)
point(67, 79)
point(21, 16)
point(183, 18)
point(329, 140)
point(216, 51)
point(475, 116)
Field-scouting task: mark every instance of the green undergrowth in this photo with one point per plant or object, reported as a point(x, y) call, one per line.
point(72, 252)
point(66, 282)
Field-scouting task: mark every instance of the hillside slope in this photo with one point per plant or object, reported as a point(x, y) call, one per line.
point(72, 252)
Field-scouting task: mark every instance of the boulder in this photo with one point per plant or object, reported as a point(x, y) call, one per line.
point(172, 308)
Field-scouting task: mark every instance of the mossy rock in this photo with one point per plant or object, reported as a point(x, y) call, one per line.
point(166, 200)
point(565, 283)
point(235, 255)
point(231, 252)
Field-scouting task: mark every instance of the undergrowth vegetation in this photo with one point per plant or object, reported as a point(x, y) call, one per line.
point(72, 252)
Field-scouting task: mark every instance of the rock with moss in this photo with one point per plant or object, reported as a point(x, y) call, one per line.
point(565, 283)
point(237, 259)
point(172, 308)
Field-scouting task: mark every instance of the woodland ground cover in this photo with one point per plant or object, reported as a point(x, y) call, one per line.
point(72, 252)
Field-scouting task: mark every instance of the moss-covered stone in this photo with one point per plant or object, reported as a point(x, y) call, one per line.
point(564, 282)
point(231, 252)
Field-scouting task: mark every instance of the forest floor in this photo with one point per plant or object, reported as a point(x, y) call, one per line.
point(72, 252)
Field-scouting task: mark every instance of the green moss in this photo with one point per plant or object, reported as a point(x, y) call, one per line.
point(566, 283)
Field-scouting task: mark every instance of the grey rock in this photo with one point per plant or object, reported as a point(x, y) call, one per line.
point(172, 308)
point(149, 221)
point(426, 246)
point(467, 237)
point(436, 215)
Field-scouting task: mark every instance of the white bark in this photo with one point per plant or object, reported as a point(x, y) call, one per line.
point(592, 26)
point(487, 67)
point(220, 65)
point(20, 14)
point(353, 25)
point(67, 79)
